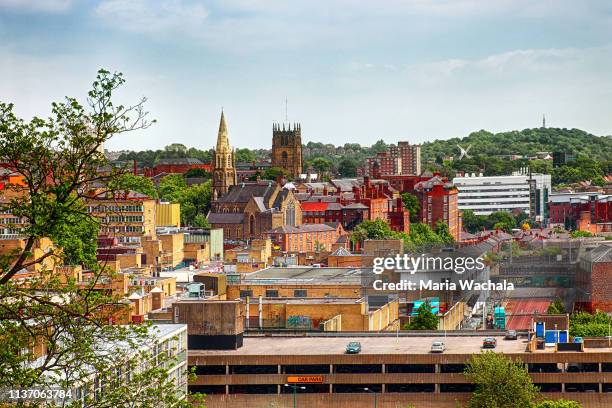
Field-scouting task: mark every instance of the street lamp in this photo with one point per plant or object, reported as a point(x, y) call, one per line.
point(373, 392)
point(295, 387)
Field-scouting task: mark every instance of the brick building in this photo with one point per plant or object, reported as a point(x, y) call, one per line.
point(249, 210)
point(401, 159)
point(128, 217)
point(306, 237)
point(174, 166)
point(438, 199)
point(581, 211)
point(594, 278)
point(349, 215)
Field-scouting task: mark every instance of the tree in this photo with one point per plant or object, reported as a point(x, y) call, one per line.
point(275, 172)
point(424, 320)
point(348, 167)
point(127, 182)
point(561, 403)
point(245, 156)
point(377, 229)
point(556, 307)
point(580, 234)
point(501, 220)
point(200, 221)
point(584, 324)
point(500, 382)
point(58, 159)
point(321, 164)
point(171, 187)
point(194, 200)
point(192, 173)
point(472, 222)
point(412, 204)
point(422, 236)
point(443, 232)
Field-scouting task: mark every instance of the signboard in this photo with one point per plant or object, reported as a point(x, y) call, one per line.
point(306, 379)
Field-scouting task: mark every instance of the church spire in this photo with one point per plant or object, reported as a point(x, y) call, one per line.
point(222, 137)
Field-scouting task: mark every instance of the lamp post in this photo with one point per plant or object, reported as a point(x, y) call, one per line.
point(373, 392)
point(295, 387)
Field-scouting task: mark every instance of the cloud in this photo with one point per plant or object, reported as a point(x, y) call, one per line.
point(145, 16)
point(50, 6)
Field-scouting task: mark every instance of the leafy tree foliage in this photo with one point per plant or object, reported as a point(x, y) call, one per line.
point(245, 156)
point(501, 219)
point(500, 382)
point(412, 204)
point(58, 158)
point(192, 173)
point(561, 403)
point(320, 164)
point(590, 325)
point(443, 232)
point(556, 307)
point(274, 172)
point(194, 200)
point(580, 234)
point(424, 320)
point(525, 142)
point(127, 182)
point(348, 167)
point(421, 236)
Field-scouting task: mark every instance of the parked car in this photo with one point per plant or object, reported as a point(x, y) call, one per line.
point(511, 335)
point(489, 342)
point(438, 347)
point(354, 347)
point(578, 340)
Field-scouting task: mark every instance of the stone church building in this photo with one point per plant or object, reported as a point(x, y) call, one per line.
point(287, 148)
point(224, 162)
point(249, 210)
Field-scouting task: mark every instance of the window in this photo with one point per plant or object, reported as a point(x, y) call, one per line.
point(300, 293)
point(271, 293)
point(245, 293)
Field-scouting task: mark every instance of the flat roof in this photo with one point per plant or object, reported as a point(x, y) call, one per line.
point(369, 345)
point(306, 301)
point(304, 274)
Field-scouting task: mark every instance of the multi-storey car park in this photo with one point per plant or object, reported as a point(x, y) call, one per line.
point(267, 370)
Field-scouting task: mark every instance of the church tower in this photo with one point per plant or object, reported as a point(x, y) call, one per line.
point(224, 165)
point(287, 148)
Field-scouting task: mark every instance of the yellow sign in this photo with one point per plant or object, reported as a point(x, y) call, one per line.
point(316, 379)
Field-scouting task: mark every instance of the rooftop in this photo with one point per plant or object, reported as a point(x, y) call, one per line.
point(369, 345)
point(305, 274)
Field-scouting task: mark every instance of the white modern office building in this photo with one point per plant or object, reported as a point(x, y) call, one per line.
point(485, 195)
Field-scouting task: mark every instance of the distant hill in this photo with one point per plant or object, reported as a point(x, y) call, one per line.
point(524, 142)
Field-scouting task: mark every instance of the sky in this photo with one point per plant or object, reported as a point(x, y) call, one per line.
point(350, 71)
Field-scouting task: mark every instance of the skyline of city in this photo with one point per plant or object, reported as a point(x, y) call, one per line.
point(414, 70)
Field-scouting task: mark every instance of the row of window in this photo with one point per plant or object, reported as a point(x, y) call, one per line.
point(274, 293)
point(115, 208)
point(377, 368)
point(377, 388)
point(122, 228)
point(121, 218)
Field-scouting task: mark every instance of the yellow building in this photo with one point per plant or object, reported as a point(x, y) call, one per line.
point(168, 215)
point(128, 217)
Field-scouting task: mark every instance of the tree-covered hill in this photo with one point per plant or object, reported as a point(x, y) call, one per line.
point(524, 142)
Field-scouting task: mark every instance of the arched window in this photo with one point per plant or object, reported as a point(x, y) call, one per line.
point(290, 214)
point(284, 156)
point(252, 224)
